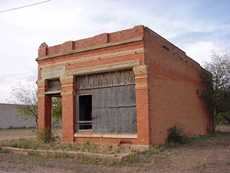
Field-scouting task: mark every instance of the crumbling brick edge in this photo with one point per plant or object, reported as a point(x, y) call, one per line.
point(23, 151)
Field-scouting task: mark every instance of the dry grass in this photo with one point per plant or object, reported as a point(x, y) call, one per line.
point(35, 144)
point(209, 154)
point(204, 154)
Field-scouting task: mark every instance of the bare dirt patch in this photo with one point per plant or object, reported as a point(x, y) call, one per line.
point(223, 128)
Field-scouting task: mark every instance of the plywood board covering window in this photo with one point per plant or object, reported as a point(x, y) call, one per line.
point(113, 101)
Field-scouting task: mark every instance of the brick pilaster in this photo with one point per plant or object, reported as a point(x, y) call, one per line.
point(44, 108)
point(68, 108)
point(142, 105)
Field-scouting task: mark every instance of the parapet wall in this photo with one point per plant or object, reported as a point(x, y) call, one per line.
point(110, 39)
point(91, 42)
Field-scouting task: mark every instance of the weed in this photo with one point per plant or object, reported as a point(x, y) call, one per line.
point(45, 136)
point(88, 147)
point(136, 158)
point(176, 136)
point(210, 136)
point(3, 151)
point(227, 163)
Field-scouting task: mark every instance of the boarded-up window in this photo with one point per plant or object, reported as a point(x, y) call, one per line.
point(113, 101)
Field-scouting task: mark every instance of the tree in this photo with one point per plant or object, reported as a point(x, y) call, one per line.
point(26, 95)
point(220, 69)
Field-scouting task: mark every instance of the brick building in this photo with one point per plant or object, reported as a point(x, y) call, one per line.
point(128, 87)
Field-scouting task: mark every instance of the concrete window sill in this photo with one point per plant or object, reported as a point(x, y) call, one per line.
point(87, 135)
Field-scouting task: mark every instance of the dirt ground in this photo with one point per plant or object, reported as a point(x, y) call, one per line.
point(6, 134)
point(210, 155)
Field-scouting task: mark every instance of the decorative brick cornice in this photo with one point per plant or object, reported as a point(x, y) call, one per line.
point(88, 58)
point(69, 52)
point(99, 41)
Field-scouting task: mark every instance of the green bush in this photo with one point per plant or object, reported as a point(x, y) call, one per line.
point(222, 118)
point(176, 136)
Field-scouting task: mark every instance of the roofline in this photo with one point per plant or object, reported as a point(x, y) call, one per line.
point(70, 52)
point(91, 43)
point(104, 41)
point(14, 104)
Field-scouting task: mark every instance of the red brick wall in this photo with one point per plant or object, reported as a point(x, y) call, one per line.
point(94, 41)
point(173, 81)
point(65, 59)
point(86, 60)
point(166, 93)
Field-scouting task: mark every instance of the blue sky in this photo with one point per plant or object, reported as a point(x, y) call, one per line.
point(199, 27)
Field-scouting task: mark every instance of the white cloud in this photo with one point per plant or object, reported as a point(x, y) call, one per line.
point(202, 51)
point(57, 21)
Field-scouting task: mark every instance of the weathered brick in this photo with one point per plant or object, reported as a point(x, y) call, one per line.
point(167, 81)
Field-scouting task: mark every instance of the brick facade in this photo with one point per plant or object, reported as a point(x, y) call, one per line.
point(166, 80)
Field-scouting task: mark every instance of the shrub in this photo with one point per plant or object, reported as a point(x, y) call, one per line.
point(176, 136)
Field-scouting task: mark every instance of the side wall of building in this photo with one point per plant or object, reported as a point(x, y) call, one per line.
point(9, 117)
point(174, 82)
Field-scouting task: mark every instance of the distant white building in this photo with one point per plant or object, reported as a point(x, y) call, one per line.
point(10, 118)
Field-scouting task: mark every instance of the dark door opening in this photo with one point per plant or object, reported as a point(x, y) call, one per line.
point(85, 112)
